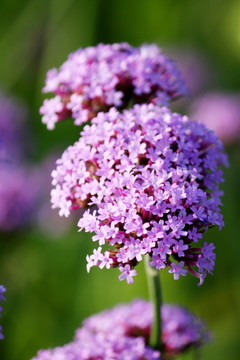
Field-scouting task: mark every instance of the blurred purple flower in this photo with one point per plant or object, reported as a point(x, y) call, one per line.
point(12, 129)
point(123, 333)
point(219, 112)
point(2, 298)
point(153, 177)
point(24, 188)
point(97, 78)
point(17, 188)
point(46, 219)
point(18, 192)
point(195, 68)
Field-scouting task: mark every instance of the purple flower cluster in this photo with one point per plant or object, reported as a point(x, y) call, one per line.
point(2, 291)
point(151, 178)
point(219, 112)
point(24, 191)
point(17, 189)
point(123, 333)
point(93, 346)
point(97, 78)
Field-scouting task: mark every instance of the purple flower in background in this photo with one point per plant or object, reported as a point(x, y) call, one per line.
point(24, 188)
point(12, 129)
point(195, 68)
point(2, 298)
point(180, 328)
point(24, 192)
point(98, 78)
point(18, 193)
point(93, 346)
point(45, 218)
point(123, 333)
point(17, 187)
point(152, 179)
point(219, 112)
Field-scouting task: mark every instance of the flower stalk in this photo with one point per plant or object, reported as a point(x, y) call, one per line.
point(155, 294)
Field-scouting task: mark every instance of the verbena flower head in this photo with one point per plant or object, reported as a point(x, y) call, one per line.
point(153, 177)
point(97, 78)
point(219, 112)
point(2, 298)
point(123, 333)
point(180, 328)
point(101, 346)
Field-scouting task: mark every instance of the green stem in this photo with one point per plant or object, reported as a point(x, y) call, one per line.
point(155, 294)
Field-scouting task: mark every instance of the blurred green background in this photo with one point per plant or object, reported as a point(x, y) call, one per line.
point(49, 291)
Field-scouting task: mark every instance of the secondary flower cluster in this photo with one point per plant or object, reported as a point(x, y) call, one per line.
point(121, 334)
point(152, 177)
point(2, 291)
point(16, 203)
point(97, 78)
